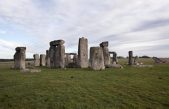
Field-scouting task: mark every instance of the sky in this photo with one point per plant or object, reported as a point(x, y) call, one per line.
point(138, 25)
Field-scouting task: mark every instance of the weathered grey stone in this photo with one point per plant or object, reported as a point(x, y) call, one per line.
point(35, 70)
point(47, 59)
point(57, 42)
point(36, 60)
point(83, 53)
point(115, 66)
point(19, 58)
point(161, 60)
point(30, 70)
point(24, 70)
point(20, 49)
point(130, 61)
point(71, 60)
point(114, 59)
point(51, 55)
point(106, 54)
point(104, 44)
point(57, 54)
point(67, 59)
point(96, 58)
point(42, 60)
point(75, 60)
point(136, 60)
point(59, 57)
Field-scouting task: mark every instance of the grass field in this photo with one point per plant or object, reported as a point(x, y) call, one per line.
point(128, 88)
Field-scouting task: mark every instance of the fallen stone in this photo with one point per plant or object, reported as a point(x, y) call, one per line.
point(115, 66)
point(30, 70)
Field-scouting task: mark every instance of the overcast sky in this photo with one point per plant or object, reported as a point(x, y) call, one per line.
point(138, 25)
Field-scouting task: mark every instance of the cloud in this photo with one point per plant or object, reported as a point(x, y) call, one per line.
point(8, 44)
point(7, 48)
point(123, 23)
point(2, 32)
point(152, 24)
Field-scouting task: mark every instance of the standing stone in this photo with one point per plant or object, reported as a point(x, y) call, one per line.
point(51, 54)
point(36, 60)
point(83, 53)
point(136, 60)
point(67, 59)
point(57, 54)
point(71, 60)
point(97, 58)
point(47, 59)
point(42, 60)
point(130, 62)
point(115, 58)
point(75, 60)
point(19, 58)
point(106, 54)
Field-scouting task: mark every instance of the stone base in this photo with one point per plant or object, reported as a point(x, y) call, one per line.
point(30, 70)
point(114, 66)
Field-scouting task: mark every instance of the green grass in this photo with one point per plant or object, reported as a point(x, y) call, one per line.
point(128, 88)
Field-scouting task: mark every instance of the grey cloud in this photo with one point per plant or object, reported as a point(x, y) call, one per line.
point(152, 24)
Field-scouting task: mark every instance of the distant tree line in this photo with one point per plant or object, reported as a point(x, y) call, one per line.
point(5, 60)
point(122, 57)
point(144, 56)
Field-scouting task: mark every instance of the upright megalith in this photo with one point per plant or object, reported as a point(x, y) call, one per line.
point(114, 58)
point(115, 61)
point(83, 53)
point(104, 46)
point(60, 55)
point(36, 60)
point(51, 54)
point(96, 58)
point(75, 60)
point(57, 54)
point(19, 58)
point(47, 59)
point(130, 59)
point(136, 60)
point(71, 60)
point(67, 59)
point(42, 60)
